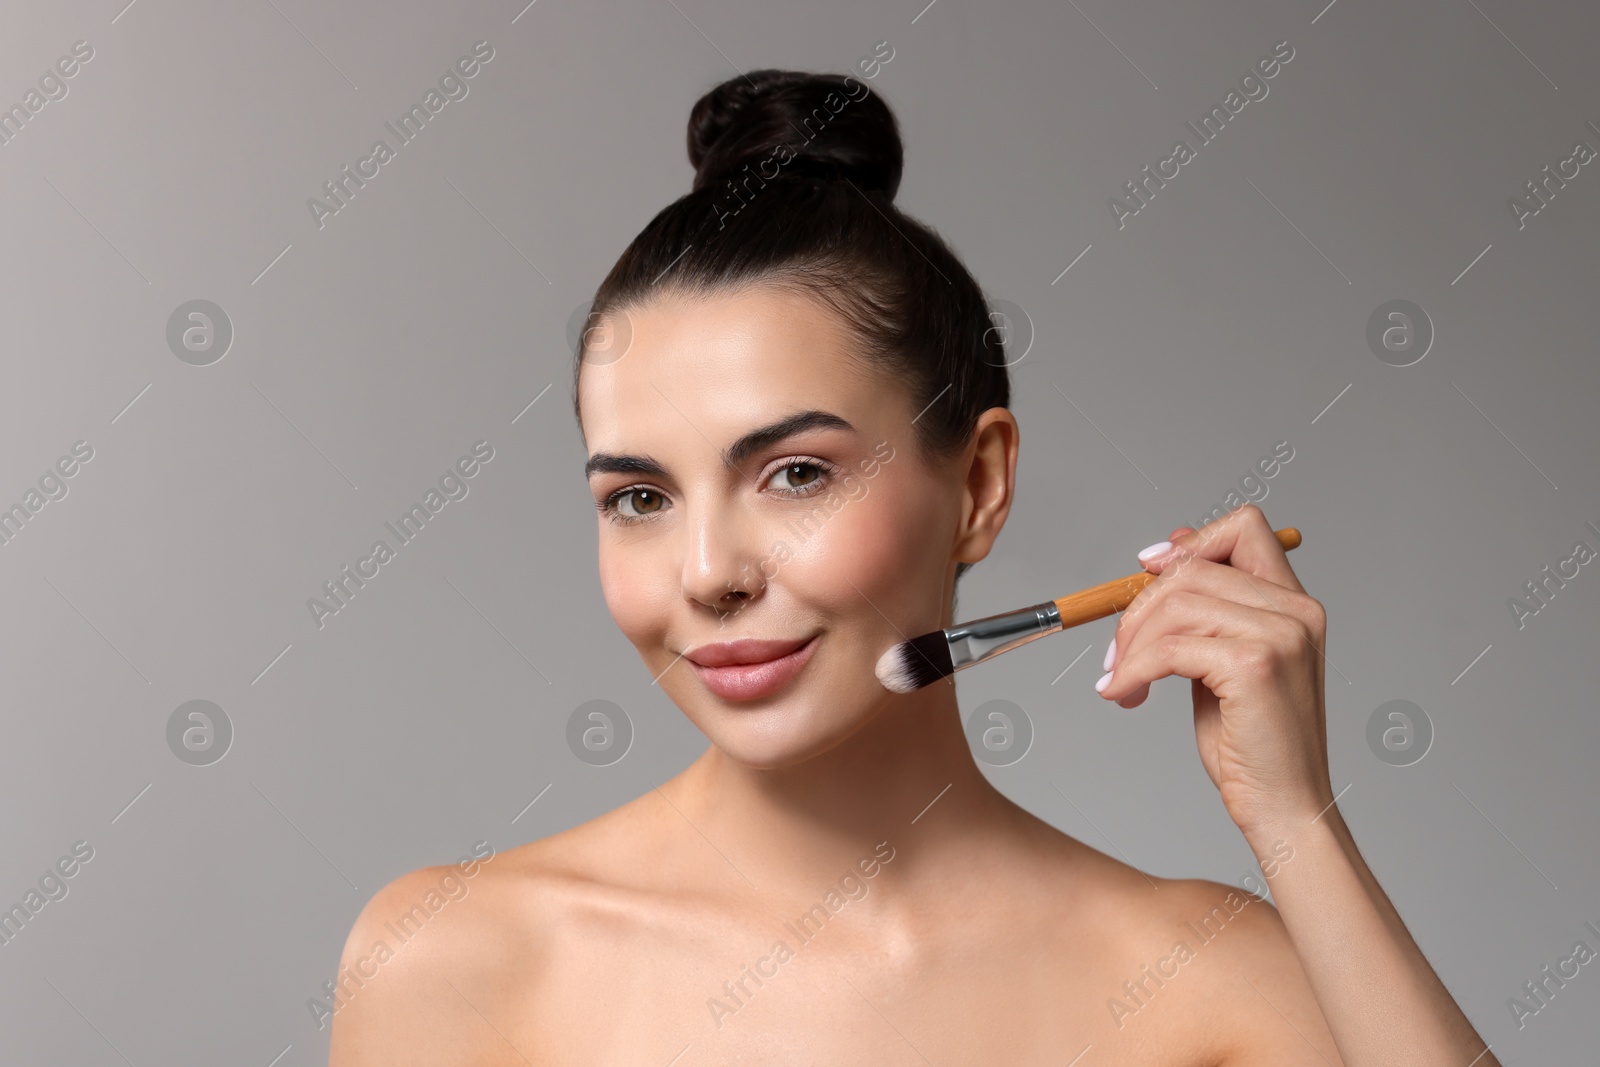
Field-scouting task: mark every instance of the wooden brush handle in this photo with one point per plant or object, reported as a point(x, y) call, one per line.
point(1108, 598)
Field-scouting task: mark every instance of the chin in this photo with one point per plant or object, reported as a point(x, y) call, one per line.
point(784, 734)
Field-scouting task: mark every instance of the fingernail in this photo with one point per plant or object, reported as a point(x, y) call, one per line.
point(1111, 654)
point(1160, 548)
point(1105, 680)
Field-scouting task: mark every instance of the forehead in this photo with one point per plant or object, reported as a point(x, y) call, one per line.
point(721, 364)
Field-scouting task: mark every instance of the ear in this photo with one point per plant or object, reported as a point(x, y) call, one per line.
point(990, 483)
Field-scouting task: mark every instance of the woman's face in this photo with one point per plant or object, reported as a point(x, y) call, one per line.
point(832, 533)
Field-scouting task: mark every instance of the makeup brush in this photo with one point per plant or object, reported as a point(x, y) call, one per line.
point(910, 665)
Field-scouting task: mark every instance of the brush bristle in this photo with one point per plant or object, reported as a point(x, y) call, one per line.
point(910, 665)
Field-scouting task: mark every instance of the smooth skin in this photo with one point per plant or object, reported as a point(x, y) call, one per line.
point(947, 924)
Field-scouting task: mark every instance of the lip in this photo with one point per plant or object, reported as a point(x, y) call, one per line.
point(749, 669)
point(745, 650)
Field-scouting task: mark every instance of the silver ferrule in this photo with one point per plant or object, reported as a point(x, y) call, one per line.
point(981, 639)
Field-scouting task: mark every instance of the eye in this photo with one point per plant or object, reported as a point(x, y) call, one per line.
point(611, 505)
point(798, 468)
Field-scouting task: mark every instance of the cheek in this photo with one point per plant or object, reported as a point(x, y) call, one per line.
point(879, 555)
point(635, 592)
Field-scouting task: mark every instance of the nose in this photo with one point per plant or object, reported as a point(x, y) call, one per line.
point(720, 569)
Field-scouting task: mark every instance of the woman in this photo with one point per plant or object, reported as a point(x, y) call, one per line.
point(798, 441)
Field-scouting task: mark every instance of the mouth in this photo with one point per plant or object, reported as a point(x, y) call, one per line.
point(766, 667)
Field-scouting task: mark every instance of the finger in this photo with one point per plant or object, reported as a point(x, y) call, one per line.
point(1161, 549)
point(1194, 576)
point(1194, 615)
point(1135, 698)
point(1243, 539)
point(1212, 661)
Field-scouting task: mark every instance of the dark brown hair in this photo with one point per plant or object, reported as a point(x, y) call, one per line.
point(795, 178)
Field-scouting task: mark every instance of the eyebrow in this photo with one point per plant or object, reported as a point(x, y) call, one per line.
point(734, 455)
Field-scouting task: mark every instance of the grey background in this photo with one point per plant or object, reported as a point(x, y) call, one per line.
point(426, 315)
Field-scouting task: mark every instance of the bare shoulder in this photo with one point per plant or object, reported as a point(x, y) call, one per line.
point(442, 963)
point(416, 945)
point(1248, 979)
point(1202, 970)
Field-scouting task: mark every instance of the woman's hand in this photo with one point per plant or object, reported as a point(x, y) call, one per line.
point(1228, 612)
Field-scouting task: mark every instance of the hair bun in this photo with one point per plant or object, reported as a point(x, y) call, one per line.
point(833, 124)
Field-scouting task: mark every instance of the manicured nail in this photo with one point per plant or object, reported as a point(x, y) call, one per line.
point(1111, 654)
point(1105, 680)
point(1160, 548)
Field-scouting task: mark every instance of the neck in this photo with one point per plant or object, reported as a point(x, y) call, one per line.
point(907, 777)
